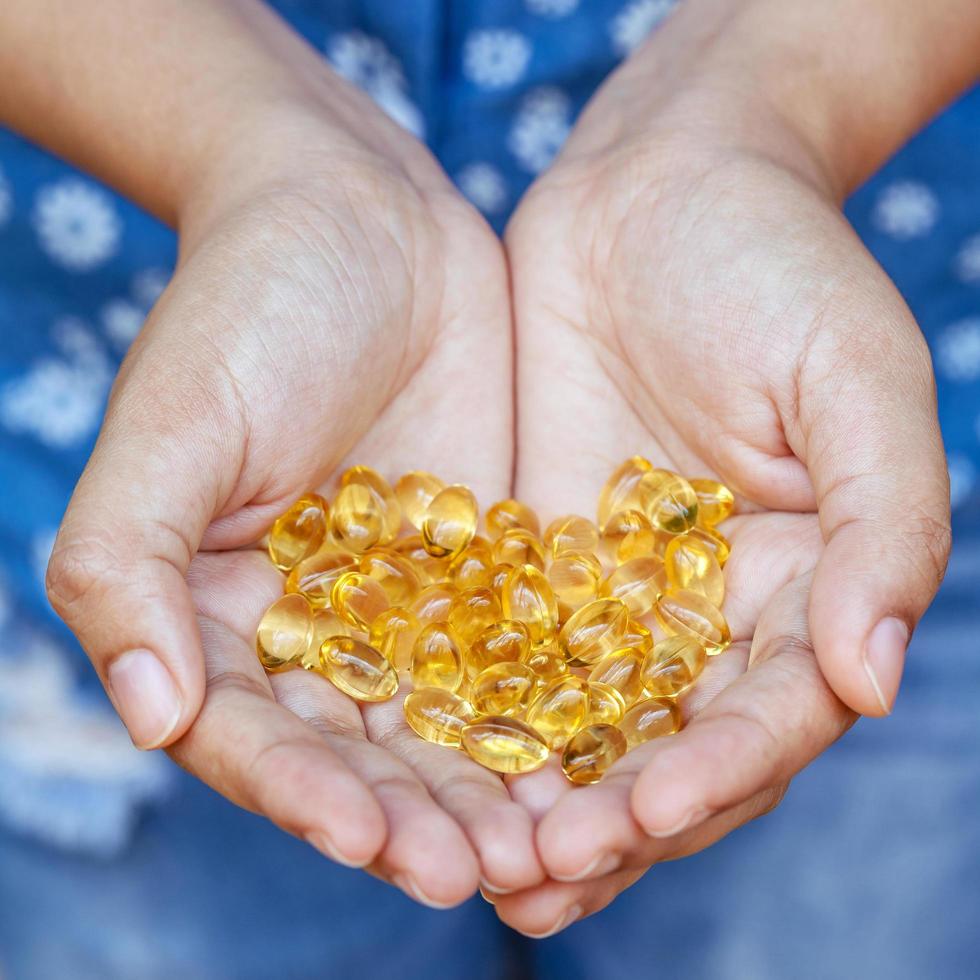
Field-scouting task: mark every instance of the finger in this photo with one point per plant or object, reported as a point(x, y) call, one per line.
point(872, 443)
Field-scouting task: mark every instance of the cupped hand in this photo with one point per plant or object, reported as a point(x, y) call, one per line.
point(686, 287)
point(335, 301)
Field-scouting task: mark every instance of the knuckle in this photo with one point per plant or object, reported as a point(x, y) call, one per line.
point(77, 571)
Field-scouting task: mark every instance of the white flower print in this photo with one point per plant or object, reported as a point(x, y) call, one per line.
point(962, 479)
point(368, 64)
point(121, 321)
point(551, 8)
point(542, 124)
point(630, 27)
point(483, 185)
point(967, 262)
point(905, 209)
point(495, 59)
point(76, 224)
point(41, 545)
point(958, 350)
point(6, 199)
point(148, 284)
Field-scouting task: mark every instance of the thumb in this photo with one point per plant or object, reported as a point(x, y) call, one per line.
point(875, 454)
point(117, 570)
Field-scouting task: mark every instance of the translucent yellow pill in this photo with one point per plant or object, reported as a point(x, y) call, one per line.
point(314, 577)
point(559, 709)
point(358, 599)
point(472, 568)
point(299, 532)
point(672, 666)
point(438, 715)
point(505, 641)
point(507, 514)
point(432, 604)
point(638, 582)
point(595, 630)
point(618, 527)
point(437, 658)
point(547, 665)
point(683, 612)
point(591, 751)
point(504, 744)
point(429, 569)
point(638, 637)
point(606, 705)
point(503, 689)
point(575, 577)
point(518, 546)
point(394, 633)
point(356, 519)
point(391, 512)
point(621, 491)
point(450, 521)
point(642, 543)
point(395, 573)
point(714, 539)
point(326, 623)
point(357, 669)
point(284, 632)
point(472, 611)
point(649, 719)
point(622, 670)
point(571, 533)
point(414, 492)
point(690, 564)
point(715, 501)
point(527, 597)
point(672, 504)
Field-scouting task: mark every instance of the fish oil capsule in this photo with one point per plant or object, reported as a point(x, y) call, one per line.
point(505, 641)
point(437, 658)
point(714, 539)
point(507, 514)
point(391, 512)
point(472, 567)
point(357, 669)
point(356, 519)
point(639, 582)
point(715, 501)
point(299, 532)
point(284, 632)
point(606, 705)
point(414, 492)
point(621, 491)
point(672, 505)
point(503, 689)
point(326, 623)
point(649, 719)
point(394, 633)
point(622, 670)
point(393, 572)
point(450, 521)
point(571, 533)
point(504, 744)
point(595, 630)
point(690, 564)
point(518, 547)
point(547, 665)
point(498, 575)
point(527, 597)
point(358, 600)
point(638, 637)
point(314, 576)
point(686, 613)
point(559, 709)
point(438, 715)
point(574, 578)
point(591, 751)
point(472, 611)
point(646, 542)
point(616, 529)
point(432, 604)
point(428, 568)
point(672, 666)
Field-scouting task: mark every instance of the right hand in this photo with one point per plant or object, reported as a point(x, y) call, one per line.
point(335, 301)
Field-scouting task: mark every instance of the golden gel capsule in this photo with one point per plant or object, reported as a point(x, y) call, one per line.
point(672, 666)
point(438, 715)
point(395, 573)
point(571, 533)
point(505, 641)
point(498, 575)
point(690, 564)
point(503, 689)
point(618, 527)
point(559, 709)
point(687, 613)
point(428, 568)
point(518, 547)
point(473, 611)
point(606, 705)
point(504, 744)
point(358, 599)
point(414, 492)
point(356, 519)
point(472, 568)
point(621, 491)
point(590, 752)
point(507, 514)
point(650, 718)
point(284, 632)
point(394, 633)
point(299, 532)
point(673, 505)
point(391, 512)
point(314, 576)
point(638, 636)
point(642, 544)
point(450, 521)
point(432, 604)
point(715, 501)
point(437, 658)
point(357, 669)
point(574, 578)
point(622, 670)
point(714, 539)
point(595, 630)
point(547, 664)
point(527, 597)
point(326, 623)
point(639, 582)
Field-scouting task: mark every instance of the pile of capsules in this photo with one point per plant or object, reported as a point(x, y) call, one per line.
point(517, 643)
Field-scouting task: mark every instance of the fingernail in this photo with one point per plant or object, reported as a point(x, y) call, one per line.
point(145, 696)
point(884, 659)
point(571, 915)
point(493, 889)
point(487, 896)
point(690, 820)
point(409, 885)
point(600, 865)
point(322, 842)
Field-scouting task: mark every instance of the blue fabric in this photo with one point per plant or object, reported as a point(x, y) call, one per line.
point(114, 864)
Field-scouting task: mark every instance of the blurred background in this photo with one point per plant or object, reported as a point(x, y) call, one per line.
point(115, 864)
